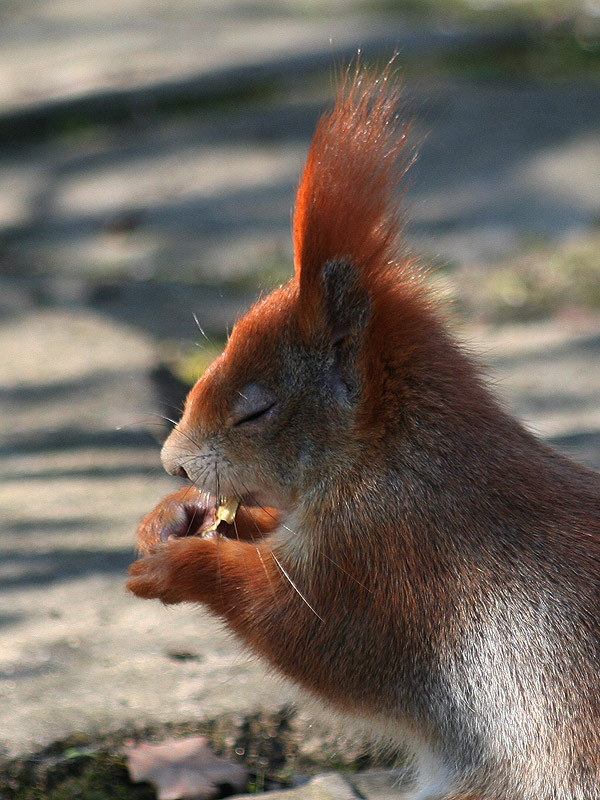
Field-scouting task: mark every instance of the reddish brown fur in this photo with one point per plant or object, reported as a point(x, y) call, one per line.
point(345, 205)
point(425, 564)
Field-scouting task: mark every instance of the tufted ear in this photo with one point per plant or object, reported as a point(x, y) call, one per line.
point(346, 206)
point(345, 302)
point(345, 309)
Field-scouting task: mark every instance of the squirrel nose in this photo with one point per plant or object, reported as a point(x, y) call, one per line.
point(178, 471)
point(172, 458)
point(172, 466)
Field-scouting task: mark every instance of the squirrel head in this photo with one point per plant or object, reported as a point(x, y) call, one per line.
point(310, 378)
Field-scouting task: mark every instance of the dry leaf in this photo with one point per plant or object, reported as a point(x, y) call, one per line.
point(183, 769)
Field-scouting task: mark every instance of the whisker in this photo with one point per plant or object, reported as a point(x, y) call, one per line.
point(137, 423)
point(293, 585)
point(199, 479)
point(238, 497)
point(220, 572)
point(154, 429)
point(201, 329)
point(259, 553)
point(173, 407)
point(267, 573)
point(259, 505)
point(199, 457)
point(188, 437)
point(168, 419)
point(295, 533)
point(191, 521)
point(338, 566)
point(276, 560)
point(227, 331)
point(235, 527)
point(141, 425)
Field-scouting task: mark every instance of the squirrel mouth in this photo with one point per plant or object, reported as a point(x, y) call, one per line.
point(223, 513)
point(208, 519)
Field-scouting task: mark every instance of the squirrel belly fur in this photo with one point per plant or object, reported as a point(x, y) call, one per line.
point(404, 549)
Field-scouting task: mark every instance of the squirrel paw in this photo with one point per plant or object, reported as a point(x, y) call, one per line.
point(181, 514)
point(169, 572)
point(149, 577)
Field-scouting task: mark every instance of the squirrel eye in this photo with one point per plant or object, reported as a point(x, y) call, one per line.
point(253, 404)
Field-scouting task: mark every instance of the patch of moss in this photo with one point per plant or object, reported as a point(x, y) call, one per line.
point(481, 11)
point(552, 57)
point(275, 747)
point(189, 364)
point(71, 772)
point(272, 271)
point(87, 117)
point(540, 282)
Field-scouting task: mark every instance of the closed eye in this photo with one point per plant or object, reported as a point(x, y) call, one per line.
point(252, 405)
point(253, 415)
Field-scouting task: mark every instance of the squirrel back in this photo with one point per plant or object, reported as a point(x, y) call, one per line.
point(404, 549)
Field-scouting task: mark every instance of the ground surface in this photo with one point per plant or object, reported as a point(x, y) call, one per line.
point(113, 236)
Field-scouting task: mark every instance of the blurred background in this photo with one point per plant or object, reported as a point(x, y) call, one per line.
point(149, 153)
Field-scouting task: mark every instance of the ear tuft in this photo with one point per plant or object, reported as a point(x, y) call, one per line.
point(346, 206)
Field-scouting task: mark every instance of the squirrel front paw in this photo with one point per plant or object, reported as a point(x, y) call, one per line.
point(183, 513)
point(149, 577)
point(171, 572)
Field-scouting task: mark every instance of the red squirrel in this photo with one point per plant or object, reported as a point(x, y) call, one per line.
point(404, 550)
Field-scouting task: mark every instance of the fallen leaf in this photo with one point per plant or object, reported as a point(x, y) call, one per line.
point(183, 769)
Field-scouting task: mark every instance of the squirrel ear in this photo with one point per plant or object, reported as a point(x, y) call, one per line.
point(346, 221)
point(346, 307)
point(345, 303)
